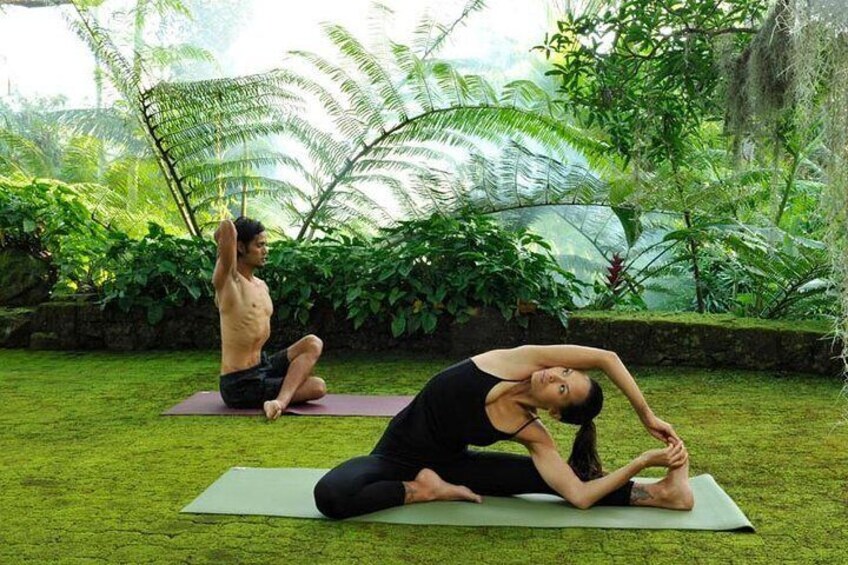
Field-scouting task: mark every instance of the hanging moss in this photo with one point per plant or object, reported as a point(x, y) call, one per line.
point(821, 63)
point(738, 113)
point(796, 68)
point(770, 69)
point(761, 81)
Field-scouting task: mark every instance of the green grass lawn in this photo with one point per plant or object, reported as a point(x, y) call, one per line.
point(92, 473)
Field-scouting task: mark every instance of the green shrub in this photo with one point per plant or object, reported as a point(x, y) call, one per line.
point(406, 277)
point(158, 271)
point(47, 220)
point(411, 274)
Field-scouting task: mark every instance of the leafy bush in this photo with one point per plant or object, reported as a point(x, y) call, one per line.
point(47, 220)
point(410, 275)
point(406, 277)
point(158, 271)
point(422, 269)
point(766, 273)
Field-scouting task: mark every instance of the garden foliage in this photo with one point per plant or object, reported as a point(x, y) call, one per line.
point(407, 276)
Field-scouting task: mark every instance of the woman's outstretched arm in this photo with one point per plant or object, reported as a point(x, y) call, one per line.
point(583, 494)
point(521, 361)
point(618, 374)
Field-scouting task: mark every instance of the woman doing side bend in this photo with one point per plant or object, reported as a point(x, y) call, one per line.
point(494, 396)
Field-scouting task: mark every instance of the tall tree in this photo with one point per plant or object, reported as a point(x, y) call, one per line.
point(645, 72)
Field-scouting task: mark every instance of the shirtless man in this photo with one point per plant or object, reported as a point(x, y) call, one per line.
point(249, 377)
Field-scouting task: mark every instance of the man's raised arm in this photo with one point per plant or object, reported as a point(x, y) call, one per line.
point(225, 267)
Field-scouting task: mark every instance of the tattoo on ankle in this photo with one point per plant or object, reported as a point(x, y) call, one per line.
point(409, 495)
point(639, 493)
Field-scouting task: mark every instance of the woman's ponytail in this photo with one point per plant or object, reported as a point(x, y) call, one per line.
point(584, 457)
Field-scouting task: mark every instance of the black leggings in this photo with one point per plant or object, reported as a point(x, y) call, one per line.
point(373, 482)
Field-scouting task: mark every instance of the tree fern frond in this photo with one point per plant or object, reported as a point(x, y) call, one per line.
point(481, 91)
point(356, 196)
point(364, 107)
point(392, 150)
point(254, 185)
point(165, 56)
point(81, 159)
point(27, 155)
point(401, 192)
point(436, 193)
point(329, 154)
point(364, 166)
point(108, 124)
point(181, 147)
point(380, 78)
point(98, 40)
point(351, 127)
point(432, 42)
point(353, 205)
point(209, 171)
point(416, 76)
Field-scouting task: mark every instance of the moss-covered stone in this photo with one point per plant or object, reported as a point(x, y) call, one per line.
point(651, 338)
point(641, 338)
point(44, 340)
point(721, 320)
point(24, 280)
point(15, 326)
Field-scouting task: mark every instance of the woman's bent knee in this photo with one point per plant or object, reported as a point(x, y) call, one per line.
point(329, 500)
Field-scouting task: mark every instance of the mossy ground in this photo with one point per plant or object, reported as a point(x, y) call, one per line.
point(92, 473)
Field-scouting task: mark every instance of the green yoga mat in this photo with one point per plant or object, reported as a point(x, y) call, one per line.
point(288, 492)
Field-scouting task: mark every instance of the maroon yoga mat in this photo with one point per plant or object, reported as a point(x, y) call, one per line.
point(209, 403)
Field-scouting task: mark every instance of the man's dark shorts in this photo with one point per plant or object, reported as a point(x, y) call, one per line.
point(249, 388)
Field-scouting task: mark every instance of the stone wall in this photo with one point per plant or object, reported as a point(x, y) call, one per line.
point(709, 344)
point(83, 325)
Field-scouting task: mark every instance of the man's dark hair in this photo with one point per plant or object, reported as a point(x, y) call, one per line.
point(247, 229)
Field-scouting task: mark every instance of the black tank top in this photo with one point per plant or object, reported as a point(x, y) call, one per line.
point(447, 416)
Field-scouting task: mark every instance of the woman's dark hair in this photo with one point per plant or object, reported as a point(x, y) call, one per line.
point(247, 229)
point(584, 457)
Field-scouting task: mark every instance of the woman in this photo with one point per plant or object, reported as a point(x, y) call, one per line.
point(494, 396)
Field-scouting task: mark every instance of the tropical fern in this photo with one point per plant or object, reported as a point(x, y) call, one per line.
point(516, 179)
point(388, 115)
point(188, 127)
point(430, 35)
point(395, 116)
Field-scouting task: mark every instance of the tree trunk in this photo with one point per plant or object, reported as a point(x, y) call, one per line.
point(696, 272)
point(787, 188)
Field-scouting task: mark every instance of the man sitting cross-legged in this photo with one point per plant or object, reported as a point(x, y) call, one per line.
point(249, 377)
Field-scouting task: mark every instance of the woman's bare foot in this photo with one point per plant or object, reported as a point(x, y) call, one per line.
point(273, 409)
point(673, 492)
point(676, 493)
point(429, 486)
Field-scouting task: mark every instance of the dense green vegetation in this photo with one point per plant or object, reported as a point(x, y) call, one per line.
point(93, 473)
point(681, 161)
point(705, 131)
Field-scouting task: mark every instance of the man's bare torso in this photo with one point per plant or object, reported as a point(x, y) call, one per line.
point(245, 309)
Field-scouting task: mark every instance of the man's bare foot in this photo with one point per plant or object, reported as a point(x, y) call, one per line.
point(429, 486)
point(273, 409)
